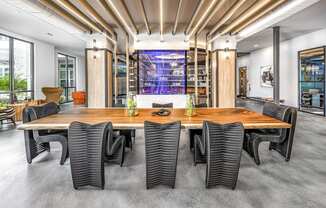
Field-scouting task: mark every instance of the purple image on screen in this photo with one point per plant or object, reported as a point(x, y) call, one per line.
point(162, 72)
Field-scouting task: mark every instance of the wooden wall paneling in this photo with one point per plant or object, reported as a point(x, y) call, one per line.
point(96, 97)
point(226, 78)
point(109, 82)
point(214, 78)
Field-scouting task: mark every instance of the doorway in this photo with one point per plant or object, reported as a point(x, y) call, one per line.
point(243, 81)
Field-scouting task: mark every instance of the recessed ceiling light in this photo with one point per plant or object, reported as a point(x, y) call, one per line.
point(49, 34)
point(256, 45)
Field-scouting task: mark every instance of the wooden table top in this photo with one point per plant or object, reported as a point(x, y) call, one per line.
point(120, 119)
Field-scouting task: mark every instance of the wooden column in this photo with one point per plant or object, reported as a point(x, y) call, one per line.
point(223, 76)
point(99, 78)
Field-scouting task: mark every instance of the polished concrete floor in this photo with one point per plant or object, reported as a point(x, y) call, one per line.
point(276, 183)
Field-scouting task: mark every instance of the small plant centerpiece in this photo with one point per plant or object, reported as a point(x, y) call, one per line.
point(131, 105)
point(190, 110)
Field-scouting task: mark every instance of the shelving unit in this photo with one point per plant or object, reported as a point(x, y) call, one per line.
point(203, 77)
point(162, 72)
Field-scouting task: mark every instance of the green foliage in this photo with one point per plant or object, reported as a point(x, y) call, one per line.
point(20, 83)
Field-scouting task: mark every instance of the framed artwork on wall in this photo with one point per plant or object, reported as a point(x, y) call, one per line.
point(266, 76)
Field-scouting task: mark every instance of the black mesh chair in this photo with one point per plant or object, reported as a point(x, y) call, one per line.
point(162, 105)
point(38, 141)
point(87, 150)
point(161, 150)
point(115, 147)
point(222, 145)
point(280, 139)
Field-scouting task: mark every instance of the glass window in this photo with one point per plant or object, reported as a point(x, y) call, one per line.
point(312, 80)
point(4, 65)
point(162, 72)
point(67, 76)
point(16, 70)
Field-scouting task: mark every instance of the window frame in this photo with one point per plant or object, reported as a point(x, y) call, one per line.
point(12, 90)
point(66, 88)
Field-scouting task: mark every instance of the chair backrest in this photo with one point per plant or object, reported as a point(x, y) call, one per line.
point(224, 146)
point(52, 94)
point(31, 113)
point(162, 105)
point(110, 134)
point(278, 112)
point(291, 118)
point(86, 150)
point(161, 150)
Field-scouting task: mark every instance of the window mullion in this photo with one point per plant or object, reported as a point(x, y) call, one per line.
point(11, 70)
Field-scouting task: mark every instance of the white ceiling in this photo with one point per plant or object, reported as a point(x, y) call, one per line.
point(24, 18)
point(308, 20)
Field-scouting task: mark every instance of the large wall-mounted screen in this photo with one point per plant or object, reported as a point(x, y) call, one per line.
point(162, 72)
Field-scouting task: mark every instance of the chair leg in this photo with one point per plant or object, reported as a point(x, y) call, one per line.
point(64, 153)
point(255, 146)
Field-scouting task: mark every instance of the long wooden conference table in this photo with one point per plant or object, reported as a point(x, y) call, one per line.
point(120, 118)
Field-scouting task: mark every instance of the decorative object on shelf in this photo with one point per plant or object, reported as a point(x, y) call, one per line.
point(266, 76)
point(190, 111)
point(131, 104)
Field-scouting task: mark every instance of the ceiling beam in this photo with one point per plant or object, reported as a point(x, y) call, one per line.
point(62, 13)
point(211, 15)
point(244, 16)
point(194, 15)
point(177, 18)
point(93, 13)
point(208, 10)
point(260, 15)
point(161, 21)
point(129, 16)
point(252, 11)
point(143, 12)
point(227, 16)
point(80, 15)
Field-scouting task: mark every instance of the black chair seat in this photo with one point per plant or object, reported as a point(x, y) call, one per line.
point(38, 141)
point(280, 140)
point(115, 147)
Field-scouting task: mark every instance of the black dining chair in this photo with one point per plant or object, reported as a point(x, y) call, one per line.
point(161, 151)
point(280, 140)
point(87, 152)
point(115, 147)
point(162, 105)
point(221, 145)
point(38, 141)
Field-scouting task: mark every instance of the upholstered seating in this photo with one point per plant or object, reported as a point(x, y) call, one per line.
point(8, 114)
point(161, 150)
point(36, 141)
point(52, 94)
point(280, 140)
point(222, 145)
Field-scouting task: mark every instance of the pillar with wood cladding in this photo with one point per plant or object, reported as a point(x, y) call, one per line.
point(99, 78)
point(223, 63)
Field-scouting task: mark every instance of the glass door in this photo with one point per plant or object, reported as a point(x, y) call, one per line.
point(312, 80)
point(66, 76)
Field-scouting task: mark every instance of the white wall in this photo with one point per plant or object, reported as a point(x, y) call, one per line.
point(45, 65)
point(288, 66)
